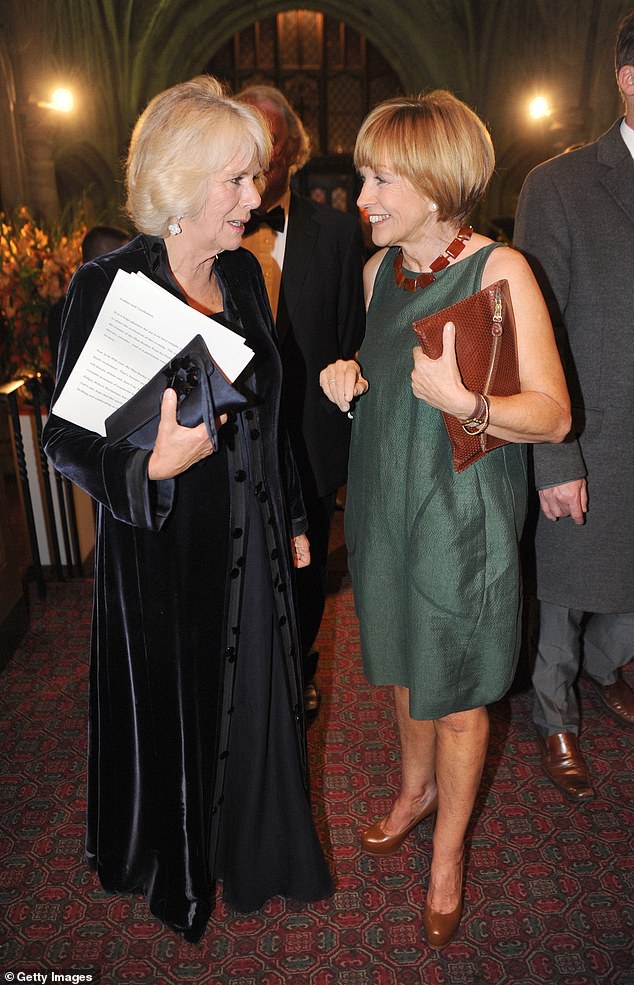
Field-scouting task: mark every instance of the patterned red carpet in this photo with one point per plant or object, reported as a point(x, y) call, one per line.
point(550, 890)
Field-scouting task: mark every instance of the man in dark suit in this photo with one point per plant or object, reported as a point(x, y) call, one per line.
point(575, 222)
point(312, 259)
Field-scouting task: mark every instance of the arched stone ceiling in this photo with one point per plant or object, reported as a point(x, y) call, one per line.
point(396, 29)
point(489, 52)
point(484, 50)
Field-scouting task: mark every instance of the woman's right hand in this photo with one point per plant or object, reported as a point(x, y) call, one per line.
point(342, 382)
point(177, 448)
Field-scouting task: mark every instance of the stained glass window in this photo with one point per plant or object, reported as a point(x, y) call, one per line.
point(330, 74)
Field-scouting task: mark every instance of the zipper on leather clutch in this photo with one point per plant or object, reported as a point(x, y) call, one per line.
point(496, 334)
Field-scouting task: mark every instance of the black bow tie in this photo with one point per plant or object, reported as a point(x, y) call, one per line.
point(274, 219)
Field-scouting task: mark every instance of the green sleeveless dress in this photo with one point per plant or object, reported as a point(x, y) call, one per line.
point(433, 555)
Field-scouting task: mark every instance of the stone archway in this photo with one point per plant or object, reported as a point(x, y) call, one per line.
point(126, 64)
point(200, 27)
point(173, 42)
point(486, 51)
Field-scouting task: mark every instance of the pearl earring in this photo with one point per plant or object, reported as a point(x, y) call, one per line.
point(434, 207)
point(175, 227)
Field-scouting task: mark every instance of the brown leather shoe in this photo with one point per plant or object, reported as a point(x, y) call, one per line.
point(312, 698)
point(618, 698)
point(440, 927)
point(375, 841)
point(563, 763)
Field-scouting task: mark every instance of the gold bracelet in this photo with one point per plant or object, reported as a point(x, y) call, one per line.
point(477, 425)
point(478, 411)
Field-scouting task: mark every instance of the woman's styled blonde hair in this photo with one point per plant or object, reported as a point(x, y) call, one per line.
point(183, 136)
point(435, 141)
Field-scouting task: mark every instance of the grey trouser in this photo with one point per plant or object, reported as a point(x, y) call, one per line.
point(606, 640)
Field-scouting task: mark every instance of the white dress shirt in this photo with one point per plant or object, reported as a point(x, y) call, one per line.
point(628, 136)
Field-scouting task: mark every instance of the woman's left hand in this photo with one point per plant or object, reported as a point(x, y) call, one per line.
point(342, 382)
point(438, 381)
point(301, 551)
point(177, 448)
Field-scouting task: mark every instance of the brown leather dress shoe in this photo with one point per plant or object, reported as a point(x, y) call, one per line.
point(563, 763)
point(312, 698)
point(618, 698)
point(375, 841)
point(440, 927)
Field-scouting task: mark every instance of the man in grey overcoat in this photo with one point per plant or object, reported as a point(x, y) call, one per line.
point(575, 223)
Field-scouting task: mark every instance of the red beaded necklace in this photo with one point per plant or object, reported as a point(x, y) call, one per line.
point(454, 249)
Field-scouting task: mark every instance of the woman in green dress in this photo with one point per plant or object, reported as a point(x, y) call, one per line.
point(434, 554)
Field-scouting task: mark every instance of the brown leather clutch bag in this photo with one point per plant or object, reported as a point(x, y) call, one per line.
point(486, 350)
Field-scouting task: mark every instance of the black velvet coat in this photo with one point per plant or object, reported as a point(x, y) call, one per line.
point(170, 560)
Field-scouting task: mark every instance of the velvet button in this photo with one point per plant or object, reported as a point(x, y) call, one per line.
point(234, 572)
point(249, 415)
point(230, 654)
point(240, 475)
point(283, 620)
point(236, 532)
point(255, 434)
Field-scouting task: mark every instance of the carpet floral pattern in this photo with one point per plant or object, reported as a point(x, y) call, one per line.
point(550, 890)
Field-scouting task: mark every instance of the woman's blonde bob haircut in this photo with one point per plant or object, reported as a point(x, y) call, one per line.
point(183, 136)
point(435, 141)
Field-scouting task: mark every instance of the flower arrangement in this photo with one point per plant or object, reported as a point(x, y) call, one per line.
point(35, 268)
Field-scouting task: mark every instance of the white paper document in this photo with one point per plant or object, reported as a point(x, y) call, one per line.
point(140, 327)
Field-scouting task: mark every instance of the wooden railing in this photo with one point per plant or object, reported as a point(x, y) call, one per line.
point(47, 496)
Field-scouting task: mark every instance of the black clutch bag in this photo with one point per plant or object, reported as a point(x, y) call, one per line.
point(203, 395)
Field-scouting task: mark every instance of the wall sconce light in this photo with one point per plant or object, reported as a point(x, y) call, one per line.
point(61, 101)
point(539, 108)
